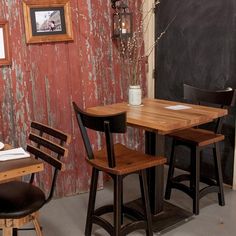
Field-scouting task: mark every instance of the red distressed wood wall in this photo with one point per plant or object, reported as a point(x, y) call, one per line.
point(44, 79)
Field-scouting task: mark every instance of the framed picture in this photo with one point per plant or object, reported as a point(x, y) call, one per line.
point(47, 21)
point(5, 57)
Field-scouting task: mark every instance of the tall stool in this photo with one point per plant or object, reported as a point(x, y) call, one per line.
point(20, 201)
point(118, 161)
point(198, 139)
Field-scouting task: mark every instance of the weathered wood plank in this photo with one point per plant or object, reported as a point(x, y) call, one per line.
point(45, 78)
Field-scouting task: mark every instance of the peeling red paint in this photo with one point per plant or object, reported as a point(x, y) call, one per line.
point(44, 79)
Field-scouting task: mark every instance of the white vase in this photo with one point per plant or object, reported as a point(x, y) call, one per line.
point(135, 95)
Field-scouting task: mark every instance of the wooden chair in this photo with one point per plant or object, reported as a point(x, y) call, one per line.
point(198, 139)
point(117, 161)
point(20, 201)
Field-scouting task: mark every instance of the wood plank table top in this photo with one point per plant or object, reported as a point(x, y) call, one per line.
point(19, 167)
point(153, 115)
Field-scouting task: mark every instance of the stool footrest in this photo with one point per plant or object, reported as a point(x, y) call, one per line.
point(176, 183)
point(104, 210)
point(182, 187)
point(129, 211)
point(103, 223)
point(140, 223)
point(133, 226)
point(180, 178)
point(208, 189)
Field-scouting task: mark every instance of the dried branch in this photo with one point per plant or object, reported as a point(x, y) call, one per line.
point(150, 50)
point(132, 50)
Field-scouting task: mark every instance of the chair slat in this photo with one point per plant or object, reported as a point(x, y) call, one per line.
point(51, 131)
point(48, 144)
point(96, 122)
point(220, 97)
point(46, 157)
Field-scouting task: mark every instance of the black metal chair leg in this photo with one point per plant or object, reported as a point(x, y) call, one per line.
point(15, 232)
point(91, 204)
point(117, 204)
point(145, 199)
point(195, 165)
point(218, 171)
point(170, 171)
point(122, 203)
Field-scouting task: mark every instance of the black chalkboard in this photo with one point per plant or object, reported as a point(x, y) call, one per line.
point(198, 48)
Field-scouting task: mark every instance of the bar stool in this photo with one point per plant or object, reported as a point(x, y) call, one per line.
point(21, 201)
point(198, 139)
point(118, 161)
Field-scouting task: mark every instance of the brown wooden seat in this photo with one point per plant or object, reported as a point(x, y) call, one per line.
point(20, 201)
point(198, 139)
point(118, 161)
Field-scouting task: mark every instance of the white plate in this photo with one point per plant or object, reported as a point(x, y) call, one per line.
point(1, 145)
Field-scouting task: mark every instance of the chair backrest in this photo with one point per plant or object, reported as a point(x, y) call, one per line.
point(106, 124)
point(222, 98)
point(47, 144)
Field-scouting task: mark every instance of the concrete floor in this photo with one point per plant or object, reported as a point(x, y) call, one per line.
point(66, 216)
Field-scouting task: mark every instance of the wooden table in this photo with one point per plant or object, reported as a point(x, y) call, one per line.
point(20, 167)
point(157, 120)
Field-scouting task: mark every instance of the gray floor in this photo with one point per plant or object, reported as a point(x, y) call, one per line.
point(66, 216)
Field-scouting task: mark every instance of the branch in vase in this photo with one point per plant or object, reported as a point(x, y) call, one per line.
point(150, 50)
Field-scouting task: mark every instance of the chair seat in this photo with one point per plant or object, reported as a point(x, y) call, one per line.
point(127, 160)
point(198, 137)
point(18, 199)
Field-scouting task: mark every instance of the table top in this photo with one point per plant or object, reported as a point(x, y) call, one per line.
point(153, 114)
point(16, 168)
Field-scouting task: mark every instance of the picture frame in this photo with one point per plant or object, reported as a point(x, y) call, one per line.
point(47, 21)
point(5, 55)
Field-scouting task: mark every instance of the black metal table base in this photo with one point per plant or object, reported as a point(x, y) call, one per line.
point(171, 216)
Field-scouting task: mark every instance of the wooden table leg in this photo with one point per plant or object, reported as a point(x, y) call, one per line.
point(7, 231)
point(37, 227)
